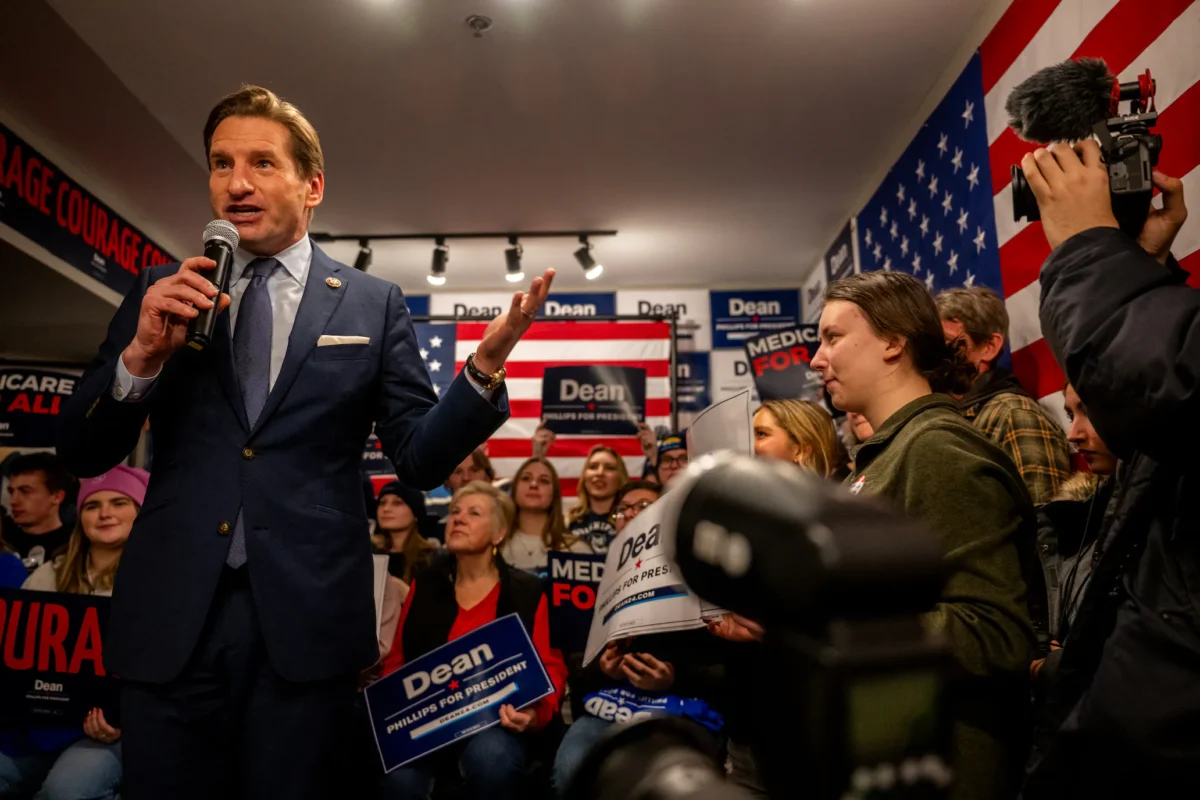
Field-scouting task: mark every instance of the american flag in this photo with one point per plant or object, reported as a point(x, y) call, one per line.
point(961, 231)
point(444, 346)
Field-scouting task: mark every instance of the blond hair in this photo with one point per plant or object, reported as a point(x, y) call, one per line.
point(583, 501)
point(71, 568)
point(503, 509)
point(810, 427)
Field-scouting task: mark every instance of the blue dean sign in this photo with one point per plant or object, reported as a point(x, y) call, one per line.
point(737, 316)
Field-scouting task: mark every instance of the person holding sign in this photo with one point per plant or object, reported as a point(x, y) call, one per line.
point(589, 519)
point(883, 354)
point(538, 526)
point(457, 594)
point(60, 761)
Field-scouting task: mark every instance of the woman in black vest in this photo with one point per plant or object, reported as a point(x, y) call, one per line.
point(459, 592)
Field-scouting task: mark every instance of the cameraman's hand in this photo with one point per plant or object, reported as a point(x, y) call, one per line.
point(1164, 223)
point(1071, 187)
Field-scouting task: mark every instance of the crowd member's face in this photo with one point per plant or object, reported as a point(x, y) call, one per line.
point(980, 355)
point(107, 518)
point(771, 441)
point(466, 472)
point(632, 504)
point(670, 464)
point(393, 514)
point(254, 183)
point(32, 503)
point(535, 489)
point(1084, 436)
point(852, 359)
point(860, 426)
point(601, 476)
point(472, 527)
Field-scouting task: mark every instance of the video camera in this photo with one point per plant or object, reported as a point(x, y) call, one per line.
point(851, 682)
point(1078, 99)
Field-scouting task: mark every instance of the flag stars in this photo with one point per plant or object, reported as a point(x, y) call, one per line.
point(912, 209)
point(968, 115)
point(904, 247)
point(937, 244)
point(929, 281)
point(970, 281)
point(980, 240)
point(933, 185)
point(878, 252)
point(920, 171)
point(953, 262)
point(887, 264)
point(900, 195)
point(962, 221)
point(437, 390)
point(957, 160)
point(894, 231)
point(917, 264)
point(883, 216)
point(973, 177)
point(435, 342)
point(424, 354)
point(943, 145)
point(435, 366)
point(924, 226)
point(947, 204)
point(867, 237)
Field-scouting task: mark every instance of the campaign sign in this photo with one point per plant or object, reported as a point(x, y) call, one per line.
point(492, 304)
point(691, 381)
point(725, 425)
point(41, 202)
point(740, 315)
point(53, 669)
point(376, 466)
point(455, 691)
point(595, 401)
point(812, 296)
point(642, 591)
point(780, 364)
point(573, 581)
point(30, 400)
point(839, 258)
point(418, 305)
point(689, 307)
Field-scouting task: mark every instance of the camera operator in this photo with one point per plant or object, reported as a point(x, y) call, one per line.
point(1121, 322)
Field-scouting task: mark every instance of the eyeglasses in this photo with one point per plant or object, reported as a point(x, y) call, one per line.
point(674, 461)
point(636, 508)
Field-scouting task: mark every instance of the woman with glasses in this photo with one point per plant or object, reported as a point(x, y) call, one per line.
point(589, 519)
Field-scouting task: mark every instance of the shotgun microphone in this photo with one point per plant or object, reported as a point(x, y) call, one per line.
point(220, 240)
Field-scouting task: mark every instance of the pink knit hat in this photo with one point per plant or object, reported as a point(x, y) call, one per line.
point(129, 481)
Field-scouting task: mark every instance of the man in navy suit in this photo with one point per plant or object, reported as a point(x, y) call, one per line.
point(243, 613)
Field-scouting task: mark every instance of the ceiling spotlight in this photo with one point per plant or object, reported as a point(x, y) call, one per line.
point(512, 259)
point(591, 269)
point(437, 269)
point(363, 261)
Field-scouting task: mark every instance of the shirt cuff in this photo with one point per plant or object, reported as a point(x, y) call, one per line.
point(486, 394)
point(128, 388)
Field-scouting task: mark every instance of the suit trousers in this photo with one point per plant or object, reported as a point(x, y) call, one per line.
point(229, 725)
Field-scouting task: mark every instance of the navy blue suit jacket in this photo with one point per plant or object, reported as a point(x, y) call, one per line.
point(296, 475)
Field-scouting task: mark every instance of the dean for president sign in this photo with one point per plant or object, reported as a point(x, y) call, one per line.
point(595, 401)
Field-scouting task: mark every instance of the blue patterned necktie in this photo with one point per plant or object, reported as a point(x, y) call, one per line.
point(252, 360)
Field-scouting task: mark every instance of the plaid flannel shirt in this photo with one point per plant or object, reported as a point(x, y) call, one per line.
point(1034, 442)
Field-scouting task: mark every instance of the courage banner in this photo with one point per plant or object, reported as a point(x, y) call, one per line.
point(41, 202)
point(455, 691)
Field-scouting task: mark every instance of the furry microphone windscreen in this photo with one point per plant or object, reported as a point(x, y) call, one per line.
point(1061, 102)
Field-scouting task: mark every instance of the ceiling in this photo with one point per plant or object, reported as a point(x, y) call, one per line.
point(727, 140)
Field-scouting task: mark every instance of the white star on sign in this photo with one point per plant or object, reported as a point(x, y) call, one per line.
point(943, 147)
point(929, 281)
point(953, 262)
point(948, 204)
point(878, 251)
point(969, 115)
point(973, 176)
point(962, 221)
point(937, 244)
point(912, 209)
point(867, 237)
point(887, 264)
point(924, 226)
point(980, 244)
point(435, 342)
point(957, 160)
point(933, 186)
point(920, 170)
point(904, 246)
point(917, 264)
point(883, 216)
point(435, 366)
point(970, 281)
point(894, 231)
point(900, 194)
point(424, 353)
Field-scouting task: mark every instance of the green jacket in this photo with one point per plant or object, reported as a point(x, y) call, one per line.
point(934, 466)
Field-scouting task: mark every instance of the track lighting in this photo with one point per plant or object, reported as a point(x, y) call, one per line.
point(362, 262)
point(512, 260)
point(437, 269)
point(591, 269)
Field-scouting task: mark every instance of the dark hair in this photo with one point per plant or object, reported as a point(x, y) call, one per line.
point(898, 305)
point(53, 472)
point(633, 486)
point(978, 309)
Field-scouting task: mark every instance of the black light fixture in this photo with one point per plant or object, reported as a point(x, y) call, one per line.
point(512, 260)
point(363, 261)
point(437, 269)
point(591, 269)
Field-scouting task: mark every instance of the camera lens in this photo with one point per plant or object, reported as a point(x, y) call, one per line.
point(1024, 203)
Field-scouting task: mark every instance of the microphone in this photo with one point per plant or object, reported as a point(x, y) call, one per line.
point(1062, 102)
point(220, 240)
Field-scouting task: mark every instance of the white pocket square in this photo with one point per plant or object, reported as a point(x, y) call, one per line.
point(328, 340)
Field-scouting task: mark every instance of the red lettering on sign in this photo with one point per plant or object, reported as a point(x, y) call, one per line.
point(87, 229)
point(39, 404)
point(55, 623)
point(11, 659)
point(583, 596)
point(87, 646)
point(560, 593)
point(3, 150)
point(58, 205)
point(800, 355)
point(19, 403)
point(112, 247)
point(14, 172)
point(760, 365)
point(101, 243)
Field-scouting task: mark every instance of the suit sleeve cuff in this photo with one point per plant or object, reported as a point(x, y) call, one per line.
point(129, 388)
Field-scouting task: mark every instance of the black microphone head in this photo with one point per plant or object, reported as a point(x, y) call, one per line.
point(1061, 102)
point(222, 230)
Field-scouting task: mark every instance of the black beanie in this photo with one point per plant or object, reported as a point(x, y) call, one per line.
point(413, 498)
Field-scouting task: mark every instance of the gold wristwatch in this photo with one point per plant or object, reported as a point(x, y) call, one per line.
point(485, 380)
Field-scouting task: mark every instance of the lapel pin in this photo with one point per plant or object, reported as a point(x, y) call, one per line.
point(332, 283)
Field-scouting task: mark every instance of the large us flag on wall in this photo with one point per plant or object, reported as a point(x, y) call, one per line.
point(445, 347)
point(971, 165)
